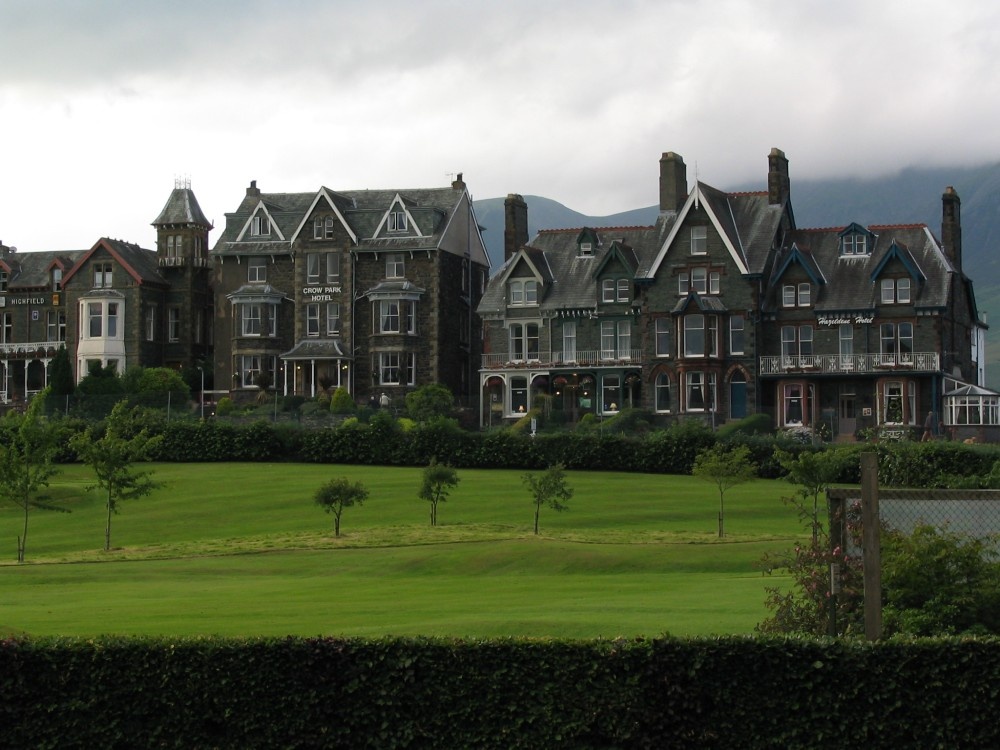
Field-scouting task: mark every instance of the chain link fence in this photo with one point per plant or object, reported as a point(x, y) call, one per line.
point(975, 513)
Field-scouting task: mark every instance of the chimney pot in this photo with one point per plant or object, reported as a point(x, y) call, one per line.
point(673, 182)
point(515, 228)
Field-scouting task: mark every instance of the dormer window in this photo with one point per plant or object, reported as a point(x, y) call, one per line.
point(523, 292)
point(587, 249)
point(896, 291)
point(397, 221)
point(57, 275)
point(3, 280)
point(259, 226)
point(854, 244)
point(796, 295)
point(323, 228)
point(699, 240)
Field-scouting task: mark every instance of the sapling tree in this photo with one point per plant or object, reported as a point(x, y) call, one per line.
point(26, 465)
point(112, 456)
point(813, 472)
point(548, 488)
point(725, 468)
point(438, 481)
point(338, 494)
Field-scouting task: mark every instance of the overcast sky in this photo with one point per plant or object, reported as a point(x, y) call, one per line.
point(105, 103)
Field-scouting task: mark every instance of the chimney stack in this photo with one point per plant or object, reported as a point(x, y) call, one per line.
point(515, 225)
point(778, 184)
point(673, 182)
point(951, 226)
point(252, 191)
point(457, 183)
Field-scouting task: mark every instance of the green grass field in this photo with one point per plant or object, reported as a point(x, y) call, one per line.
point(242, 550)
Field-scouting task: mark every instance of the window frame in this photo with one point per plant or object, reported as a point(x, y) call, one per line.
point(699, 240)
point(312, 320)
point(173, 324)
point(256, 269)
point(332, 318)
point(737, 333)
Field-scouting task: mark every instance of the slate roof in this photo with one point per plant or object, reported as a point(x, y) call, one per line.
point(850, 286)
point(33, 270)
point(182, 208)
point(141, 264)
point(428, 210)
point(567, 277)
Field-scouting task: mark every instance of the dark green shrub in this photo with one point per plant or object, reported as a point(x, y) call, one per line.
point(755, 424)
point(341, 402)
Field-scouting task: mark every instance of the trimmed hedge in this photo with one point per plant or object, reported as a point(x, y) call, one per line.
point(426, 693)
point(383, 441)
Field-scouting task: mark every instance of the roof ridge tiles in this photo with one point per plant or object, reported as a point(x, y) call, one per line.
point(633, 227)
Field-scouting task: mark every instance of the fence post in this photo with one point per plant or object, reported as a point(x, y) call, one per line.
point(836, 506)
point(871, 551)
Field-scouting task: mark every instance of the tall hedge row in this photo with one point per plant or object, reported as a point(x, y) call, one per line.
point(384, 441)
point(418, 693)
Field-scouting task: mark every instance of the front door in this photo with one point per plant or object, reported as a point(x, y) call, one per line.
point(738, 397)
point(848, 413)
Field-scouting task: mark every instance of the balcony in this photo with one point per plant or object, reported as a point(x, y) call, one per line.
point(580, 358)
point(40, 349)
point(180, 262)
point(851, 364)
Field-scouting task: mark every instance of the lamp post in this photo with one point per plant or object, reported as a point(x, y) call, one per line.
point(202, 371)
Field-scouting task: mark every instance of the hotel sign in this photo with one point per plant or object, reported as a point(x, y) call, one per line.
point(4, 301)
point(320, 293)
point(843, 320)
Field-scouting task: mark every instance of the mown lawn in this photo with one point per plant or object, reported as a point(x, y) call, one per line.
point(241, 549)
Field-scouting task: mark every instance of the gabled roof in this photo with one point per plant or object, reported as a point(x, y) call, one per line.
point(747, 223)
point(901, 253)
point(412, 227)
point(332, 201)
point(430, 219)
point(569, 276)
point(620, 252)
point(849, 278)
point(140, 264)
point(802, 257)
point(262, 209)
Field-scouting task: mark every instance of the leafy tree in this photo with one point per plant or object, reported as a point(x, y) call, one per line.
point(439, 479)
point(26, 465)
point(112, 456)
point(814, 472)
point(338, 494)
point(725, 468)
point(61, 374)
point(548, 488)
point(429, 401)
